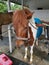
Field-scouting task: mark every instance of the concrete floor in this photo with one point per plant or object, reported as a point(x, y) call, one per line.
point(40, 52)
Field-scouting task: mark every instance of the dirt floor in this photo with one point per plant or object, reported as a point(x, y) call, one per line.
point(40, 52)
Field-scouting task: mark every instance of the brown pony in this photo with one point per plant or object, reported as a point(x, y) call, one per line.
point(23, 32)
point(5, 18)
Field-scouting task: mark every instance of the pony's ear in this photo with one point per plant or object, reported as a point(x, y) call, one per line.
point(28, 13)
point(29, 16)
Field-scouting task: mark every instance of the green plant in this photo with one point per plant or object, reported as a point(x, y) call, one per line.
point(16, 6)
point(3, 7)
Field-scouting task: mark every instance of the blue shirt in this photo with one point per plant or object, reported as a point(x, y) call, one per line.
point(40, 28)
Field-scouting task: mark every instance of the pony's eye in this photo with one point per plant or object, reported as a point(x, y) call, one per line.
point(26, 12)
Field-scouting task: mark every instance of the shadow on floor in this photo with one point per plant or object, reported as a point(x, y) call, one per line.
point(41, 54)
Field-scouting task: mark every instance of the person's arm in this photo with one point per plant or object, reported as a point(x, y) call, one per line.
point(40, 25)
point(43, 23)
point(46, 22)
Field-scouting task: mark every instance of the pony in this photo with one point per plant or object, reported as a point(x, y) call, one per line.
point(21, 28)
point(26, 30)
point(5, 18)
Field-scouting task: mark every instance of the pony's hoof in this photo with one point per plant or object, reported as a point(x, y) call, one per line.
point(36, 44)
point(30, 62)
point(25, 59)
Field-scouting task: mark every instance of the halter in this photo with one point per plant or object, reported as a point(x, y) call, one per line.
point(20, 38)
point(24, 39)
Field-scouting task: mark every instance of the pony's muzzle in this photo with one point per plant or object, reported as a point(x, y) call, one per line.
point(19, 43)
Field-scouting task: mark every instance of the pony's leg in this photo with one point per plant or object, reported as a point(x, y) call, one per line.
point(37, 42)
point(31, 52)
point(25, 57)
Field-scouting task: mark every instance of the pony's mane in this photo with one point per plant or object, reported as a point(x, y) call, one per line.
point(19, 18)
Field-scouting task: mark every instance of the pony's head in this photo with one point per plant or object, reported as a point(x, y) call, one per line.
point(20, 23)
point(28, 13)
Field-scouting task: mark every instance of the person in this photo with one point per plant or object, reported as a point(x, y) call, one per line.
point(40, 24)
